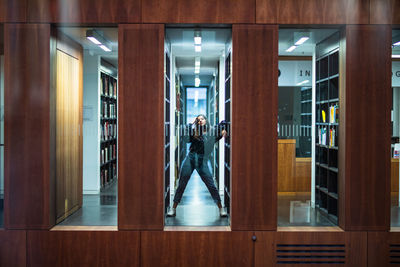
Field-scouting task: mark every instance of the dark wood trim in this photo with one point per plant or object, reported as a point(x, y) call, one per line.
point(254, 120)
point(295, 58)
point(140, 127)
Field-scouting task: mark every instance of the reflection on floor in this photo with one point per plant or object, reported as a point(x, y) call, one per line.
point(97, 210)
point(299, 213)
point(395, 211)
point(197, 208)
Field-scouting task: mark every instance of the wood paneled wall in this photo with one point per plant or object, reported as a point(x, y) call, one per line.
point(364, 166)
point(13, 248)
point(254, 120)
point(193, 11)
point(141, 127)
point(27, 129)
point(82, 248)
point(384, 12)
point(312, 11)
point(196, 249)
point(84, 11)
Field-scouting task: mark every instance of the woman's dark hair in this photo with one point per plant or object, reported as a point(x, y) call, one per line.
point(199, 130)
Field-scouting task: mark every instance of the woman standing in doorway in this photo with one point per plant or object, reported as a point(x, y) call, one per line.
point(202, 140)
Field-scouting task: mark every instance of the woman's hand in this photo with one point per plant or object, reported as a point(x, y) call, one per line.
point(223, 133)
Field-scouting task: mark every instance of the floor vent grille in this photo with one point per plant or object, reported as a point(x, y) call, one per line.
point(311, 254)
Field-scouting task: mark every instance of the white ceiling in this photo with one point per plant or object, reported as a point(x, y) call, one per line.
point(182, 46)
point(78, 34)
point(287, 36)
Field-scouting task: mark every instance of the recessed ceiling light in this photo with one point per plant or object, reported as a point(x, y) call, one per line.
point(290, 49)
point(197, 48)
point(302, 40)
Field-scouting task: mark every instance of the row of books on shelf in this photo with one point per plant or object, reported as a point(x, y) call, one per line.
point(108, 131)
point(108, 175)
point(108, 153)
point(326, 137)
point(108, 110)
point(108, 86)
point(333, 114)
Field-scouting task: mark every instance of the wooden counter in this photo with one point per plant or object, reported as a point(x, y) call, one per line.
point(294, 174)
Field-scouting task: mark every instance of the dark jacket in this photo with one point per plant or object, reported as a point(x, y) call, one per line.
point(204, 143)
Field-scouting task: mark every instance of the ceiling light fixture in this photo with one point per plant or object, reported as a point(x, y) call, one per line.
point(99, 40)
point(197, 37)
point(303, 82)
point(395, 56)
point(197, 48)
point(197, 82)
point(302, 40)
point(290, 49)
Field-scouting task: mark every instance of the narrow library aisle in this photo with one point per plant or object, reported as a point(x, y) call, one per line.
point(97, 210)
point(197, 207)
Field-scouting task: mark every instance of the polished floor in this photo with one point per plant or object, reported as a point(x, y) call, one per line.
point(97, 210)
point(197, 208)
point(295, 210)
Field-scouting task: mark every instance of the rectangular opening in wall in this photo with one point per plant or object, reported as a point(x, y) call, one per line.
point(308, 127)
point(197, 126)
point(395, 133)
point(86, 101)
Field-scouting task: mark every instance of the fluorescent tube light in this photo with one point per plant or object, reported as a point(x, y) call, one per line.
point(395, 56)
point(302, 40)
point(197, 82)
point(303, 82)
point(197, 40)
point(93, 40)
point(397, 43)
point(197, 48)
point(105, 48)
point(197, 70)
point(290, 49)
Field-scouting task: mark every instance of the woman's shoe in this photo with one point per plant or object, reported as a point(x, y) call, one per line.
point(222, 212)
point(171, 212)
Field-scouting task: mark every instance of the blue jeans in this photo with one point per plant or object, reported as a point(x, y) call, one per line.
point(194, 161)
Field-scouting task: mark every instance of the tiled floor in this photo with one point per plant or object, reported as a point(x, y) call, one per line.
point(197, 208)
point(97, 210)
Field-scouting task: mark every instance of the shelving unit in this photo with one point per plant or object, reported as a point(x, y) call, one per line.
point(167, 123)
point(227, 162)
point(327, 132)
point(305, 127)
point(108, 126)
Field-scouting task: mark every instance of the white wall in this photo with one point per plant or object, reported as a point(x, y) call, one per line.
point(91, 124)
point(221, 106)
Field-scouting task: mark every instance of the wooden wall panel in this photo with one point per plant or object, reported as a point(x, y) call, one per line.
point(366, 129)
point(312, 11)
point(27, 130)
point(254, 134)
point(84, 11)
point(286, 165)
point(384, 12)
point(270, 245)
point(192, 11)
point(13, 10)
point(196, 249)
point(82, 248)
point(13, 248)
point(140, 127)
point(394, 175)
